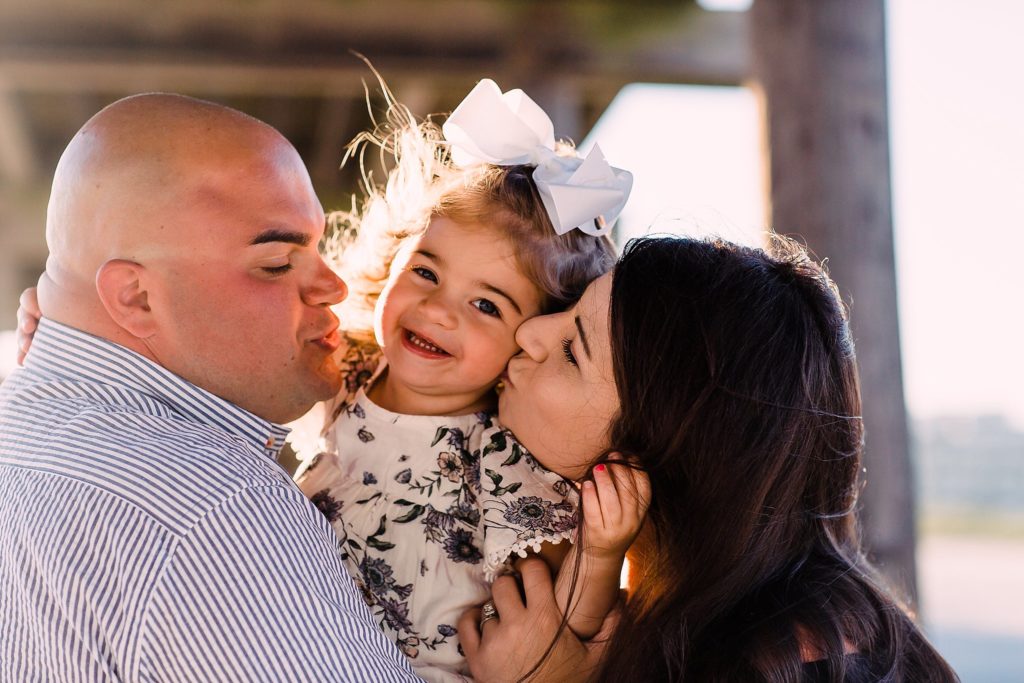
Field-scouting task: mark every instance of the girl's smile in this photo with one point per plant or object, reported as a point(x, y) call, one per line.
point(423, 346)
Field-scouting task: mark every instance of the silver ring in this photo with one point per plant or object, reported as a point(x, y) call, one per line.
point(487, 612)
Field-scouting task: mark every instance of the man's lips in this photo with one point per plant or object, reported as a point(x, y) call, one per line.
point(331, 340)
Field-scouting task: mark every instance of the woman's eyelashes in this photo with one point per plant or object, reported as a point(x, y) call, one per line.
point(567, 351)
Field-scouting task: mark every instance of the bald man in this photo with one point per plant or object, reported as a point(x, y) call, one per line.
point(146, 530)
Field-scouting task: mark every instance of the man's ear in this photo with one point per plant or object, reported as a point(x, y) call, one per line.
point(119, 284)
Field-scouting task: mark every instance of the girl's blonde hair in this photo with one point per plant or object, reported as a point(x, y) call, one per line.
point(423, 182)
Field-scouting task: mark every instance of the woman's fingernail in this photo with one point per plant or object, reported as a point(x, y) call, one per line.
point(599, 468)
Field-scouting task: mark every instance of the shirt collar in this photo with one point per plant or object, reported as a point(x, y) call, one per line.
point(64, 352)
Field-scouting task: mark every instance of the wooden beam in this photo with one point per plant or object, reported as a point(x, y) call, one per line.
point(142, 71)
point(822, 69)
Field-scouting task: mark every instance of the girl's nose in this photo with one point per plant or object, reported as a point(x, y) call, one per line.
point(438, 310)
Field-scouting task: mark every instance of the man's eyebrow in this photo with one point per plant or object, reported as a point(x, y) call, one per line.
point(583, 336)
point(276, 235)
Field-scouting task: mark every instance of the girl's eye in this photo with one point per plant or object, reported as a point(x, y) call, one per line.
point(425, 273)
point(277, 270)
point(487, 307)
point(567, 350)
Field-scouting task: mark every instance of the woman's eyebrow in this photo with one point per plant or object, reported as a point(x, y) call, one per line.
point(583, 336)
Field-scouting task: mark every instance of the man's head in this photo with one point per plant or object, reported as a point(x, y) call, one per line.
point(188, 232)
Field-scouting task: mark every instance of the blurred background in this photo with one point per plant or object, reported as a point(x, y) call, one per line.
point(887, 136)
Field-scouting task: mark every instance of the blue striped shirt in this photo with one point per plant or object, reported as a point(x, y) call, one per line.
point(148, 534)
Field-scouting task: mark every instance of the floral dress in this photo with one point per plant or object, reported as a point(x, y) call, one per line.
point(428, 510)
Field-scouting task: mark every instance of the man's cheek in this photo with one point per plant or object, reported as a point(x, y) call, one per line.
point(269, 308)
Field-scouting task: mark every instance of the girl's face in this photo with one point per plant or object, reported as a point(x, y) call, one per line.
point(560, 396)
point(447, 318)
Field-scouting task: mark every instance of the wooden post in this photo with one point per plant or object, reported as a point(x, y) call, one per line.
point(821, 67)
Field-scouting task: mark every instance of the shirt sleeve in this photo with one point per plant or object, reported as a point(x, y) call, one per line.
point(524, 504)
point(256, 591)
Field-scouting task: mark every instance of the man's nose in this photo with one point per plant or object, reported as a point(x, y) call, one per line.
point(327, 288)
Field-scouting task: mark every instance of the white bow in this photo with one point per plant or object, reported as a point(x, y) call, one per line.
point(510, 129)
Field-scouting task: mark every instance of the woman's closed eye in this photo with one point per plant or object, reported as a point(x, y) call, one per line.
point(487, 307)
point(425, 273)
point(567, 351)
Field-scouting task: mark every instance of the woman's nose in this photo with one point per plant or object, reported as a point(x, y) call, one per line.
point(536, 335)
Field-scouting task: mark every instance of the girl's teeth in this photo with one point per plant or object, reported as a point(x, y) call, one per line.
point(424, 344)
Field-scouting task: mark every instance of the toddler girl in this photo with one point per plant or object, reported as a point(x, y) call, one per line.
point(429, 496)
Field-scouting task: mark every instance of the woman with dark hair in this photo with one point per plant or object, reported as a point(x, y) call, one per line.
point(728, 374)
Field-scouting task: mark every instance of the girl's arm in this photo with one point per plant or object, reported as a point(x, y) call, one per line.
point(614, 505)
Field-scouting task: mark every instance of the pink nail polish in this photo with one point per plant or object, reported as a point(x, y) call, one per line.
point(599, 468)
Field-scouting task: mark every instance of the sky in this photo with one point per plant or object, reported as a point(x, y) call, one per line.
point(957, 136)
point(957, 108)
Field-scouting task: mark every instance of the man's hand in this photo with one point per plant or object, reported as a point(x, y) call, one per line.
point(511, 645)
point(28, 319)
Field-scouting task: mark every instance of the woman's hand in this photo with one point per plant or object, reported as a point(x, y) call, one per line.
point(511, 645)
point(28, 319)
point(614, 506)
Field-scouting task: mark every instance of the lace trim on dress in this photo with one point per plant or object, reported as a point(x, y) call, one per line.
point(498, 560)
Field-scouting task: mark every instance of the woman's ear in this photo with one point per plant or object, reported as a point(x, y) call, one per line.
point(119, 284)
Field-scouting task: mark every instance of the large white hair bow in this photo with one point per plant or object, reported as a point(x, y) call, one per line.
point(510, 129)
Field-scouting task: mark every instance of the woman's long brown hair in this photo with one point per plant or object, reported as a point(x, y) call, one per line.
point(740, 398)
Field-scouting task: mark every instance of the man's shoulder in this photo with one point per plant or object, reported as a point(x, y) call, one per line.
point(195, 466)
point(173, 469)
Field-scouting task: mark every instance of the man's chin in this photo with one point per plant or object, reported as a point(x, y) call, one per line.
point(302, 398)
point(325, 380)
point(325, 386)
